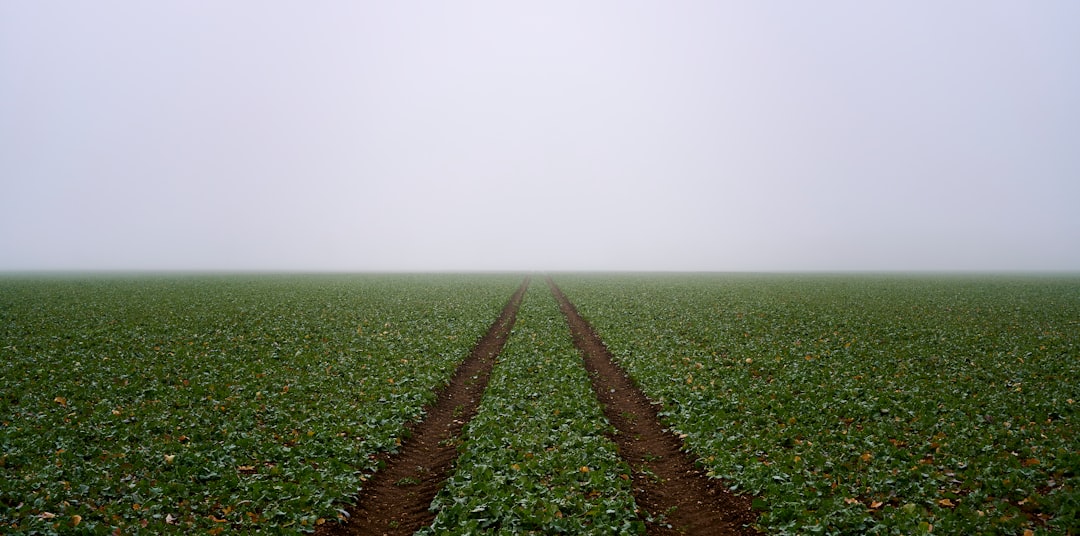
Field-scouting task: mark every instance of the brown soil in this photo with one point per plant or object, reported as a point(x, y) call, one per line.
point(396, 500)
point(667, 484)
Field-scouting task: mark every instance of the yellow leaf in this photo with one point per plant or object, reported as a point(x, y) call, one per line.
point(1029, 532)
point(61, 400)
point(584, 468)
point(866, 456)
point(946, 503)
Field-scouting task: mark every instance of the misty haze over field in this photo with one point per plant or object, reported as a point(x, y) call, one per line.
point(197, 135)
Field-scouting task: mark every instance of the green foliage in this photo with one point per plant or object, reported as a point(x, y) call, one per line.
point(181, 404)
point(861, 404)
point(535, 459)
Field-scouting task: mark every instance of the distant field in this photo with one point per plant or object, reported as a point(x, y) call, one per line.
point(864, 404)
point(846, 404)
point(178, 404)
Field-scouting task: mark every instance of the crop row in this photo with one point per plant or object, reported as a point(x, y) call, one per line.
point(871, 405)
point(536, 459)
point(172, 404)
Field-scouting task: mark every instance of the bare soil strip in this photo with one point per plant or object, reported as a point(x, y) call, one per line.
point(667, 484)
point(396, 499)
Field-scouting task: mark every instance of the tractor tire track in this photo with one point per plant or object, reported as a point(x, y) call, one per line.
point(396, 500)
point(678, 496)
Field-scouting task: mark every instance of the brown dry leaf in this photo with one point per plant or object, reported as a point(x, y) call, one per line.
point(60, 400)
point(876, 504)
point(76, 519)
point(946, 503)
point(849, 500)
point(866, 456)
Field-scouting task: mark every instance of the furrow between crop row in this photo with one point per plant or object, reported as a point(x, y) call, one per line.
point(395, 501)
point(678, 496)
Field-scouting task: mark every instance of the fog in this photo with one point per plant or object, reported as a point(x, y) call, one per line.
point(704, 136)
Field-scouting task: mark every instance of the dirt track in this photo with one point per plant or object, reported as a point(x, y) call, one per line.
point(665, 479)
point(666, 482)
point(395, 501)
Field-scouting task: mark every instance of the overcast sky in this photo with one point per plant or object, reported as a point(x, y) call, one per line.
point(270, 135)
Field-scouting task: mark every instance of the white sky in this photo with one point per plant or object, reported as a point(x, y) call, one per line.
point(269, 135)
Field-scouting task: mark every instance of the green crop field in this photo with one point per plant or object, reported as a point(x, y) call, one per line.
point(851, 404)
point(864, 404)
point(180, 404)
